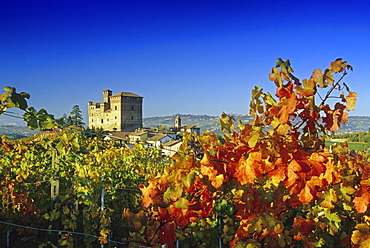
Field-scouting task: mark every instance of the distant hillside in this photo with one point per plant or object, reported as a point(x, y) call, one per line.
point(204, 122)
point(16, 130)
point(355, 124)
point(212, 123)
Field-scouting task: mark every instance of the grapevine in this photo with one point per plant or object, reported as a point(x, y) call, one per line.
point(283, 186)
point(270, 183)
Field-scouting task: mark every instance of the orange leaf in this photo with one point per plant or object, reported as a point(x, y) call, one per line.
point(245, 171)
point(318, 78)
point(309, 88)
point(288, 107)
point(278, 175)
point(362, 202)
point(293, 168)
point(206, 159)
point(265, 165)
point(146, 191)
point(330, 175)
point(305, 195)
point(278, 76)
point(317, 161)
point(215, 180)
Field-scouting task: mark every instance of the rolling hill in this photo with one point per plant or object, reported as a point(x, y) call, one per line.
point(355, 124)
point(212, 123)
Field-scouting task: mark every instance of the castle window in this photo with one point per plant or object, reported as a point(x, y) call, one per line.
point(132, 107)
point(102, 121)
point(115, 117)
point(92, 120)
point(115, 107)
point(107, 119)
point(132, 117)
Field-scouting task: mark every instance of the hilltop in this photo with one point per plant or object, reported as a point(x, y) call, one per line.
point(355, 124)
point(212, 123)
point(16, 130)
point(204, 122)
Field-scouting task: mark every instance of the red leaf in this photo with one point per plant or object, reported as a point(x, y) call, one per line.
point(334, 117)
point(304, 226)
point(167, 235)
point(283, 92)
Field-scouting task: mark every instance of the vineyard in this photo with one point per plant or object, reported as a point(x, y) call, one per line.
point(68, 181)
point(272, 183)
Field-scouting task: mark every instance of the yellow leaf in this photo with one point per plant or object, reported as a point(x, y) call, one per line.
point(338, 65)
point(351, 100)
point(283, 129)
point(361, 236)
point(308, 89)
point(318, 78)
point(253, 140)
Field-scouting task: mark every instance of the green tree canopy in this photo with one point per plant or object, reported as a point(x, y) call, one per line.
point(75, 118)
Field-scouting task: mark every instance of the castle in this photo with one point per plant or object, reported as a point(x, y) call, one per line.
point(119, 112)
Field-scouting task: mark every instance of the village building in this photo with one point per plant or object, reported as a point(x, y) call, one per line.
point(171, 147)
point(173, 135)
point(190, 129)
point(119, 112)
point(157, 140)
point(129, 137)
point(178, 128)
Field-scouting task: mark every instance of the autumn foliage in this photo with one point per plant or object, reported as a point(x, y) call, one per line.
point(272, 183)
point(269, 183)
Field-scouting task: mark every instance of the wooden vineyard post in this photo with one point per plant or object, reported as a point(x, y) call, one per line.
point(54, 193)
point(102, 202)
point(54, 183)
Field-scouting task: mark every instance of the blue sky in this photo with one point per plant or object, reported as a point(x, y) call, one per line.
point(187, 57)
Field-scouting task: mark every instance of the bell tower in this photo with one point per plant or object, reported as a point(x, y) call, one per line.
point(178, 122)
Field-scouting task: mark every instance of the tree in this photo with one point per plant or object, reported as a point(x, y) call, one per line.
point(162, 127)
point(75, 119)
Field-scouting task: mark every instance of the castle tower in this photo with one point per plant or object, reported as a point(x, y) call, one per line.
point(119, 112)
point(178, 122)
point(106, 95)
